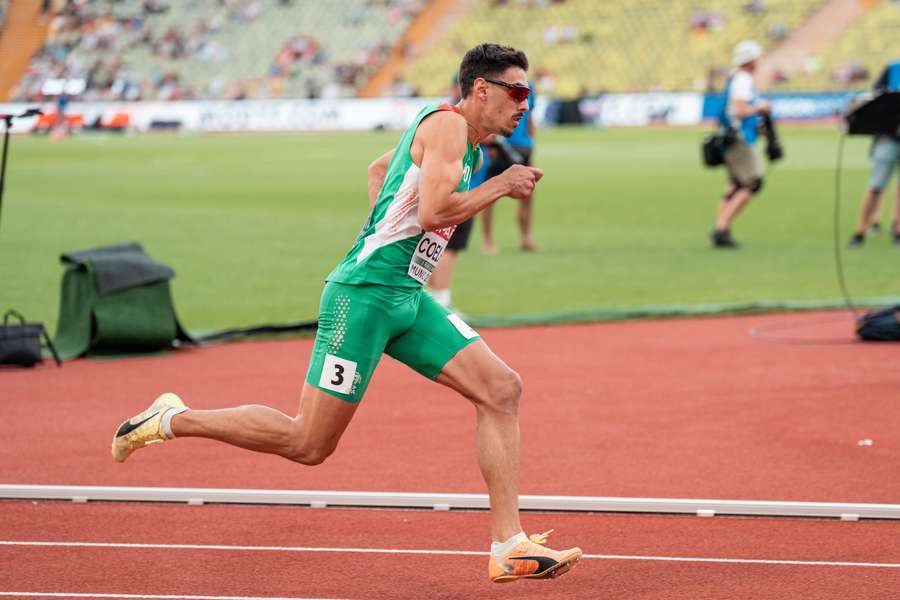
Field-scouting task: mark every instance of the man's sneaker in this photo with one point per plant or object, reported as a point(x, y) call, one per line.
point(143, 429)
point(897, 238)
point(531, 560)
point(875, 228)
point(721, 238)
point(857, 240)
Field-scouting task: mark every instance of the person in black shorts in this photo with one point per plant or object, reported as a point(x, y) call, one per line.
point(515, 149)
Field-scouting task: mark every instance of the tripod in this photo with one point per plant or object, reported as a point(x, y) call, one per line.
point(7, 120)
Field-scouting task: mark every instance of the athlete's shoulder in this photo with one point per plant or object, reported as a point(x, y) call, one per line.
point(448, 115)
point(444, 123)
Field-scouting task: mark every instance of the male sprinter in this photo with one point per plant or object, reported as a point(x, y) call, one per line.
point(373, 303)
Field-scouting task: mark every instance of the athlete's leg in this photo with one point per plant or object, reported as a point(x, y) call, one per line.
point(494, 389)
point(354, 326)
point(308, 438)
point(442, 347)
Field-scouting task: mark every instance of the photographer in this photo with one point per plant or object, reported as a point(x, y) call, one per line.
point(885, 155)
point(743, 109)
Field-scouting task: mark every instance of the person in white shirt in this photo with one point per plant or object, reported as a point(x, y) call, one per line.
point(743, 108)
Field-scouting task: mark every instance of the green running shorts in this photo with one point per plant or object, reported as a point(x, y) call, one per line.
point(359, 323)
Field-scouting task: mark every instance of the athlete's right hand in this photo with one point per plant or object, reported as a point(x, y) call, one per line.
point(521, 180)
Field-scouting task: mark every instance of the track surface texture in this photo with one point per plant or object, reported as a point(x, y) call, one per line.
point(683, 408)
point(302, 553)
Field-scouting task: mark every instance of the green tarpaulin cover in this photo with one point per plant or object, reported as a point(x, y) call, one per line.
point(115, 300)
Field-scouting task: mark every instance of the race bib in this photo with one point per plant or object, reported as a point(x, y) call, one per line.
point(338, 374)
point(428, 252)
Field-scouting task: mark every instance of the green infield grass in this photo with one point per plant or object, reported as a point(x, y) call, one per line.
point(253, 224)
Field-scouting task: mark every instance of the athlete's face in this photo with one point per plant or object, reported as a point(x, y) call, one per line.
point(505, 100)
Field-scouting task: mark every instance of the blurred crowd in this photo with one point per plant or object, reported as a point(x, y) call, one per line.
point(93, 40)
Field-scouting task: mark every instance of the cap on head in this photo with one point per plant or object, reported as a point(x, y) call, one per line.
point(746, 52)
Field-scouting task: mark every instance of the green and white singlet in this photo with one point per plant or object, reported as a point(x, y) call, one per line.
point(373, 302)
point(392, 248)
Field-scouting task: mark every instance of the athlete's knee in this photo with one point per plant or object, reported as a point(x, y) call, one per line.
point(504, 392)
point(309, 454)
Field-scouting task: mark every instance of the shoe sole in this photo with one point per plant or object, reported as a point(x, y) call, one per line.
point(121, 448)
point(553, 572)
point(118, 449)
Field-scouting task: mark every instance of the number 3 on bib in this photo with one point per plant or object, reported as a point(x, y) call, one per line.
point(337, 374)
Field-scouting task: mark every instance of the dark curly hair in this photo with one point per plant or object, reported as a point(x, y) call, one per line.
point(488, 60)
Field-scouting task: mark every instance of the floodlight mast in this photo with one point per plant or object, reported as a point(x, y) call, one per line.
point(7, 120)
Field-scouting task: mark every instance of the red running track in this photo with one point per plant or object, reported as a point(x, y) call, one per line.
point(686, 408)
point(619, 562)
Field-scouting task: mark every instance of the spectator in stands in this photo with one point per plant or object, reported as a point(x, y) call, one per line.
point(151, 7)
point(516, 149)
point(755, 7)
point(849, 73)
point(85, 31)
point(886, 159)
point(778, 31)
point(401, 88)
point(60, 125)
point(740, 116)
point(706, 20)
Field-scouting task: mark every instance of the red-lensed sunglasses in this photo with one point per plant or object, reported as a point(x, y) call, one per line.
point(516, 92)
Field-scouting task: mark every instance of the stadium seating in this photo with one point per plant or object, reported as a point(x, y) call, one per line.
point(858, 56)
point(578, 46)
point(171, 49)
point(234, 49)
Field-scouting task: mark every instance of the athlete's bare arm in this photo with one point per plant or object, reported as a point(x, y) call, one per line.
point(377, 173)
point(439, 148)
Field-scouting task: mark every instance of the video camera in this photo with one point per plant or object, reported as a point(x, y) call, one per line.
point(774, 149)
point(879, 115)
point(505, 150)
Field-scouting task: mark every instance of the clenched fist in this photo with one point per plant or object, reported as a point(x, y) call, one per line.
point(520, 181)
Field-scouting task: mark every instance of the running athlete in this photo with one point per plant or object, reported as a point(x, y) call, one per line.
point(373, 304)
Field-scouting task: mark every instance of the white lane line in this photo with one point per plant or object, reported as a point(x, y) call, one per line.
point(747, 561)
point(145, 596)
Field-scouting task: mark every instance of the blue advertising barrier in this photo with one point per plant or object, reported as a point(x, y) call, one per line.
point(610, 110)
point(800, 106)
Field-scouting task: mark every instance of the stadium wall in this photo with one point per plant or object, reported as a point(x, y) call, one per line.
point(610, 110)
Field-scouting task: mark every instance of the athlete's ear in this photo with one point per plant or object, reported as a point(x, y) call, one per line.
point(479, 88)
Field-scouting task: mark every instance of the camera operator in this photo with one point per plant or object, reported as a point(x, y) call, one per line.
point(743, 109)
point(885, 155)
